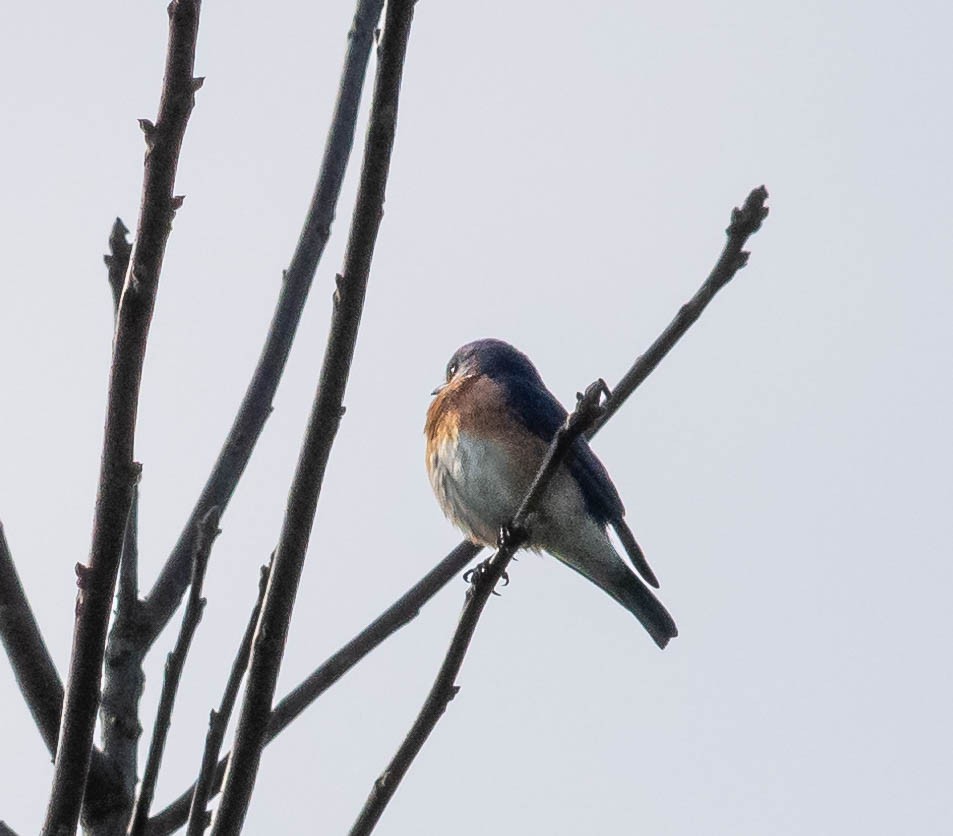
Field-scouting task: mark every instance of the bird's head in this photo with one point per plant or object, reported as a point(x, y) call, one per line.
point(494, 358)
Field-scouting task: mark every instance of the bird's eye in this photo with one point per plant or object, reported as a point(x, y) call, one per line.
point(451, 370)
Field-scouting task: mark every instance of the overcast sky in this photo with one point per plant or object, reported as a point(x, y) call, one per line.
point(561, 179)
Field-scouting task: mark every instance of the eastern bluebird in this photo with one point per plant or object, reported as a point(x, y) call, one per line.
point(488, 429)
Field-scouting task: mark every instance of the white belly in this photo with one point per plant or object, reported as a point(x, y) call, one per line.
point(480, 484)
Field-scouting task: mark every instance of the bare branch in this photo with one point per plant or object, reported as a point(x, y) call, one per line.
point(256, 405)
point(484, 581)
point(208, 531)
point(408, 606)
point(123, 682)
point(325, 417)
point(5, 830)
point(745, 222)
point(32, 665)
point(119, 472)
point(588, 414)
point(218, 721)
point(401, 612)
point(123, 678)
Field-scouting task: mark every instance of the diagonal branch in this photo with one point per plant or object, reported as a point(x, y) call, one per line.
point(218, 721)
point(32, 665)
point(208, 531)
point(745, 222)
point(402, 611)
point(407, 606)
point(256, 405)
point(485, 578)
point(325, 417)
point(119, 472)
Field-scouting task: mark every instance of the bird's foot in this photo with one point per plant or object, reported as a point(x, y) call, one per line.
point(477, 574)
point(511, 536)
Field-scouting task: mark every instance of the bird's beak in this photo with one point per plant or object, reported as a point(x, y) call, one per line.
point(439, 389)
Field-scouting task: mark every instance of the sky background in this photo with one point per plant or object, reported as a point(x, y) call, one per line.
point(562, 177)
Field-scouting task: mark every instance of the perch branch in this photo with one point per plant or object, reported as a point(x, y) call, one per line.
point(256, 405)
point(326, 413)
point(484, 581)
point(119, 472)
point(744, 222)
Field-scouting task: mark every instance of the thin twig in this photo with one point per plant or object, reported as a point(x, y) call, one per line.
point(483, 584)
point(119, 472)
point(325, 417)
point(257, 403)
point(123, 678)
point(402, 611)
point(745, 222)
point(218, 721)
point(32, 665)
point(408, 606)
point(208, 531)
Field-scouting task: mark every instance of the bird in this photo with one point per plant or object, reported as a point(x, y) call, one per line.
point(487, 431)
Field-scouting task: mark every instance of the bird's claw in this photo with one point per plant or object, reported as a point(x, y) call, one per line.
point(506, 581)
point(480, 571)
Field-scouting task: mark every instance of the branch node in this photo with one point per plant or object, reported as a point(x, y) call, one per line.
point(177, 201)
point(148, 129)
point(84, 575)
point(747, 220)
point(197, 83)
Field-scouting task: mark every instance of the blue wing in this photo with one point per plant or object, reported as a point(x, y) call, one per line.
point(537, 409)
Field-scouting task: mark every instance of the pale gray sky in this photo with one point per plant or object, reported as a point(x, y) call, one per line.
point(561, 179)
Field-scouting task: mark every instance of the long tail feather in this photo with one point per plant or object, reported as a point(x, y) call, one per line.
point(635, 596)
point(634, 551)
point(592, 555)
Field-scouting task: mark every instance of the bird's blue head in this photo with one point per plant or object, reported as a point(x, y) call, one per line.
point(495, 359)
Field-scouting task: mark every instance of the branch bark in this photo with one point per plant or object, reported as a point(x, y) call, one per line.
point(325, 417)
point(218, 721)
point(123, 678)
point(255, 408)
point(744, 223)
point(119, 472)
point(32, 665)
point(208, 531)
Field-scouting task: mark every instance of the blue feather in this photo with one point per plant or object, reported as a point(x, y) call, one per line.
point(536, 408)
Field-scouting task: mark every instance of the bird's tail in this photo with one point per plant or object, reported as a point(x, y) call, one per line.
point(636, 597)
point(591, 554)
point(634, 551)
